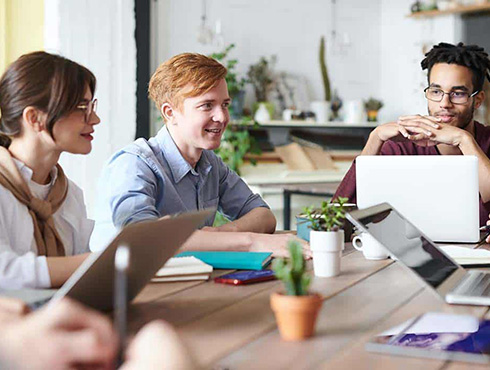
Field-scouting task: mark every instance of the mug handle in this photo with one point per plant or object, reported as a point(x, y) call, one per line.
point(354, 243)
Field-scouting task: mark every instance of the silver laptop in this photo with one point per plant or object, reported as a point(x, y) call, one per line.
point(151, 244)
point(438, 193)
point(421, 256)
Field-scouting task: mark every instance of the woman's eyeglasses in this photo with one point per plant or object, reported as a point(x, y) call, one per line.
point(89, 107)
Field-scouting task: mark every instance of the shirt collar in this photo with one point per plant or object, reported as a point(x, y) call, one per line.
point(177, 163)
point(27, 173)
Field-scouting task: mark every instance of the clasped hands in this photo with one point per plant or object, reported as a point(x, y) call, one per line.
point(422, 130)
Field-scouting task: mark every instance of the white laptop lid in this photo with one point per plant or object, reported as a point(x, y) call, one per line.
point(438, 194)
point(151, 244)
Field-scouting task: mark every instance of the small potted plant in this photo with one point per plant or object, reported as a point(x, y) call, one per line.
point(296, 310)
point(326, 236)
point(260, 76)
point(372, 107)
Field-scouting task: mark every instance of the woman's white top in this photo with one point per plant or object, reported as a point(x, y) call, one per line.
point(20, 266)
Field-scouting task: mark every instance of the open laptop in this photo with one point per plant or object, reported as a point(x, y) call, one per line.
point(151, 244)
point(439, 194)
point(421, 256)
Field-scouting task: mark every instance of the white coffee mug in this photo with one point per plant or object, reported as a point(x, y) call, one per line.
point(370, 247)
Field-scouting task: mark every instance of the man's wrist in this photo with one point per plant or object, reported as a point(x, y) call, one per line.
point(374, 136)
point(464, 140)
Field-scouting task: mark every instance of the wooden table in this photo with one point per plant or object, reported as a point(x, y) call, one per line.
point(233, 327)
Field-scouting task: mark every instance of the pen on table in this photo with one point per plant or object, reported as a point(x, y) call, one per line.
point(121, 264)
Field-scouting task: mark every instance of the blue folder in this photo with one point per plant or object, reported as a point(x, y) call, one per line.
point(232, 260)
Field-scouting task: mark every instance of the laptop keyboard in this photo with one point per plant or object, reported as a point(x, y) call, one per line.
point(475, 284)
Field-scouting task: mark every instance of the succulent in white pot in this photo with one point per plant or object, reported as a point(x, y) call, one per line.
point(326, 236)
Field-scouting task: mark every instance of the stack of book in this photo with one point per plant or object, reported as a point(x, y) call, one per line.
point(183, 269)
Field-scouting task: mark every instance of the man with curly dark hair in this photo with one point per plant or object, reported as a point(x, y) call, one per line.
point(456, 74)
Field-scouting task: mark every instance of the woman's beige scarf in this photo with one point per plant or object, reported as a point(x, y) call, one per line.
point(47, 239)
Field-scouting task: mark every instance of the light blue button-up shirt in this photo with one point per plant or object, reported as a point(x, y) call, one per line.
point(149, 179)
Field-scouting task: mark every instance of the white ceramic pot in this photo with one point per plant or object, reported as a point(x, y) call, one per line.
point(262, 114)
point(322, 110)
point(327, 249)
point(354, 112)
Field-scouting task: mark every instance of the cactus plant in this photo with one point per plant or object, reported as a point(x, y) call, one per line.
point(292, 272)
point(323, 68)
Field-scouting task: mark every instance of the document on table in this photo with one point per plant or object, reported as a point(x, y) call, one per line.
point(467, 256)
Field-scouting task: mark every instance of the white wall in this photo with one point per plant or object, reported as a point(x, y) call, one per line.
point(382, 60)
point(289, 29)
point(100, 36)
point(402, 40)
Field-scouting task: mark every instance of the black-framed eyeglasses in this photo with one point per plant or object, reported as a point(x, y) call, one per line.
point(456, 97)
point(89, 107)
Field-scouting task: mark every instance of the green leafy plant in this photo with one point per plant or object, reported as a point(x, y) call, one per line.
point(323, 68)
point(236, 143)
point(292, 272)
point(260, 76)
point(373, 104)
point(235, 84)
point(329, 217)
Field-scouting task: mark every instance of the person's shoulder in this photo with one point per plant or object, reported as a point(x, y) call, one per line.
point(142, 147)
point(481, 129)
point(74, 190)
point(139, 150)
point(482, 136)
point(74, 202)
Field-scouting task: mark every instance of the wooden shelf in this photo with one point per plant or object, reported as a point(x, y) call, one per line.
point(308, 124)
point(476, 8)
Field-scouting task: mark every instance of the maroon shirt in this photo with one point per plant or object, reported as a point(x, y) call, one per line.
point(347, 187)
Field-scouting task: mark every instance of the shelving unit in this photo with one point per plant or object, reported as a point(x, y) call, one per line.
point(466, 9)
point(310, 124)
point(331, 135)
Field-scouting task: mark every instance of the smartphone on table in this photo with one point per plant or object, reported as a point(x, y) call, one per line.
point(245, 277)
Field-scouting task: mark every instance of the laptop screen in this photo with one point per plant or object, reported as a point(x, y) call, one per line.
point(407, 243)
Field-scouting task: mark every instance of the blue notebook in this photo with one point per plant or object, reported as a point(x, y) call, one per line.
point(232, 260)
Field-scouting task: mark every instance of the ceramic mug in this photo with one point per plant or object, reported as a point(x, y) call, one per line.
point(370, 247)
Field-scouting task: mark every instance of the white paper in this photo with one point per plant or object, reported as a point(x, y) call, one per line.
point(462, 252)
point(437, 322)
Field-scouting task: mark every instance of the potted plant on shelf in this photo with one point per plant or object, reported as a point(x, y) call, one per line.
point(372, 107)
point(322, 108)
point(326, 236)
point(235, 85)
point(296, 310)
point(260, 76)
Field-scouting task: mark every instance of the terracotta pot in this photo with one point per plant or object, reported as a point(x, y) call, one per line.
point(296, 315)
